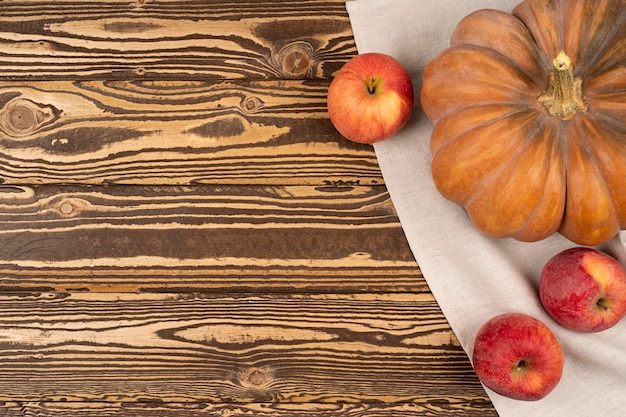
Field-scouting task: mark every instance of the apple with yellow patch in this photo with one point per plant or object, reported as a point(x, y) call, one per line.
point(584, 289)
point(371, 98)
point(517, 356)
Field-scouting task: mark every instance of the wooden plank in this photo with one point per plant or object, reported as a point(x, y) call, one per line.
point(146, 39)
point(203, 238)
point(428, 408)
point(176, 348)
point(185, 233)
point(175, 132)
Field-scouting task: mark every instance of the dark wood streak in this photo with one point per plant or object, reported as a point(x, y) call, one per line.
point(177, 132)
point(256, 348)
point(434, 407)
point(156, 238)
point(165, 41)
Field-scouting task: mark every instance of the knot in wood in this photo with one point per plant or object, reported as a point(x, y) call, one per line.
point(22, 117)
point(252, 104)
point(295, 60)
point(71, 207)
point(255, 378)
point(66, 208)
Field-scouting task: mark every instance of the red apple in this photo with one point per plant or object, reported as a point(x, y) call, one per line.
point(584, 289)
point(517, 356)
point(370, 98)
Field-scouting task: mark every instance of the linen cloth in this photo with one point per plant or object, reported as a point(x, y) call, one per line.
point(474, 277)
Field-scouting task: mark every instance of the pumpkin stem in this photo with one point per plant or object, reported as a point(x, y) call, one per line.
point(564, 97)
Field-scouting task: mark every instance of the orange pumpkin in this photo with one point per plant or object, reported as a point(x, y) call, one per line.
point(530, 111)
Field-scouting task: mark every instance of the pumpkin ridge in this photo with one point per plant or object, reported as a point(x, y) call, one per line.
point(448, 184)
point(502, 167)
point(537, 83)
point(588, 70)
point(603, 115)
point(545, 32)
point(514, 109)
point(611, 81)
point(526, 230)
point(538, 209)
point(528, 78)
point(511, 85)
point(490, 29)
point(603, 225)
point(594, 124)
point(614, 92)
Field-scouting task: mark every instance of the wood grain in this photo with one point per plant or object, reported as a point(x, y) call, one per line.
point(175, 132)
point(184, 233)
point(433, 408)
point(195, 39)
point(327, 348)
point(203, 238)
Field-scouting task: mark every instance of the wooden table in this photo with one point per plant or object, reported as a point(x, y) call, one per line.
point(183, 231)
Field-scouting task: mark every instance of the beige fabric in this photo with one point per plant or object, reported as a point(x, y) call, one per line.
point(473, 277)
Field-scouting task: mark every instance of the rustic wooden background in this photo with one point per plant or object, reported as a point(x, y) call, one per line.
point(184, 233)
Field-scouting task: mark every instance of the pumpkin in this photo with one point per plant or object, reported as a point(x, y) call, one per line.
point(529, 113)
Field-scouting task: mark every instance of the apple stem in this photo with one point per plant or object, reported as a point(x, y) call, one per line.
point(371, 85)
point(603, 304)
point(521, 366)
